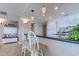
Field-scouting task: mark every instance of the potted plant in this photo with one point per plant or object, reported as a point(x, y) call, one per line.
point(74, 33)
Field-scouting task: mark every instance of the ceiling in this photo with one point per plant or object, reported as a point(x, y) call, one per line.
point(17, 10)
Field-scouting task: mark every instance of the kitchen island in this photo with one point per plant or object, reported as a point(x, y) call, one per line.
point(60, 39)
point(59, 46)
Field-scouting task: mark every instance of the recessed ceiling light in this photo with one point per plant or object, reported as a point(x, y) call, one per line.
point(62, 13)
point(56, 8)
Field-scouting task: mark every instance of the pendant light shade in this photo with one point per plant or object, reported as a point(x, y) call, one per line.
point(43, 10)
point(32, 17)
point(25, 20)
point(1, 20)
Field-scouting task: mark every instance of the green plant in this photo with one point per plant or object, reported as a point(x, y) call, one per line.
point(74, 33)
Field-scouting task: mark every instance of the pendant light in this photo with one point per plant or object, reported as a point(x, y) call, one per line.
point(25, 20)
point(32, 17)
point(1, 20)
point(44, 10)
point(2, 16)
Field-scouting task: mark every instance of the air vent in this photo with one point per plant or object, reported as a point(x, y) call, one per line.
point(32, 10)
point(3, 13)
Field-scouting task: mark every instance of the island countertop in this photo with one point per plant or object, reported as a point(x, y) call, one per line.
point(58, 39)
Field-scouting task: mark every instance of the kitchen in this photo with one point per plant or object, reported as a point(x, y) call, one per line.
point(54, 24)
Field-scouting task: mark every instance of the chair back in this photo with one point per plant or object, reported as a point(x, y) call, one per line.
point(33, 43)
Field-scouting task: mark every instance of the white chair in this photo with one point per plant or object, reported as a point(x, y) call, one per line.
point(32, 45)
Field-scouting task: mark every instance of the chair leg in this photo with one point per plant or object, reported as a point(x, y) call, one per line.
point(23, 52)
point(42, 53)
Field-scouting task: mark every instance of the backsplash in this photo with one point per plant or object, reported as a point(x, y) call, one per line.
point(61, 24)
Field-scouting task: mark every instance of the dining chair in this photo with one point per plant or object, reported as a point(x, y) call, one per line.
point(32, 45)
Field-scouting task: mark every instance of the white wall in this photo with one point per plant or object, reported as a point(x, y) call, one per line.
point(59, 48)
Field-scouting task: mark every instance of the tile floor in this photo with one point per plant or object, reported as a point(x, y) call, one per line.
point(12, 49)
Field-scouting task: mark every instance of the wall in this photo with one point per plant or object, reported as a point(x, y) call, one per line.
point(59, 48)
